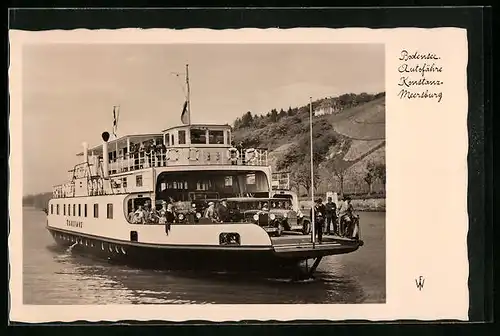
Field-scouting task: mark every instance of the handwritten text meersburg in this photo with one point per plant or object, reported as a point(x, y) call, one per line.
point(412, 65)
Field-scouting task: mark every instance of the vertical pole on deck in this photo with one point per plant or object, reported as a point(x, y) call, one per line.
point(116, 157)
point(313, 228)
point(128, 154)
point(188, 95)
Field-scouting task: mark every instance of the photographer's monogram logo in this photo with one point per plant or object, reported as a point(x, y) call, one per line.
point(420, 282)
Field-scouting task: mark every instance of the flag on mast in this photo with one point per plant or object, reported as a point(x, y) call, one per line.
point(185, 113)
point(115, 119)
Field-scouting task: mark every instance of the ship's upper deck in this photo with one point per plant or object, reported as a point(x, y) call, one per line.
point(199, 144)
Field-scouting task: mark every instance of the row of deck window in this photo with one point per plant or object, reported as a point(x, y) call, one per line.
point(76, 210)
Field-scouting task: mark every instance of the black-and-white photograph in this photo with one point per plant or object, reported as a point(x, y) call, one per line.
point(204, 173)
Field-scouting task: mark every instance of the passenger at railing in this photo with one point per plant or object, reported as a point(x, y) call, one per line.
point(152, 216)
point(138, 156)
point(166, 213)
point(148, 155)
point(346, 214)
point(223, 211)
point(150, 213)
point(169, 217)
point(191, 214)
point(162, 213)
point(138, 217)
point(210, 212)
point(160, 155)
point(134, 155)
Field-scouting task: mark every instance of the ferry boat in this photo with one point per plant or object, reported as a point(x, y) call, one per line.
point(94, 210)
point(142, 199)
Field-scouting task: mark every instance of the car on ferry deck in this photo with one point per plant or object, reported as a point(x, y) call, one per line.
point(257, 211)
point(292, 219)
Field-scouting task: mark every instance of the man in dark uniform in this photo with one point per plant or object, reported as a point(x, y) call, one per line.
point(319, 218)
point(331, 216)
point(170, 217)
point(223, 211)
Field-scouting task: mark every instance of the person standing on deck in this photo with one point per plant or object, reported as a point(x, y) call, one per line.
point(223, 211)
point(343, 212)
point(139, 215)
point(153, 215)
point(330, 215)
point(319, 219)
point(210, 212)
point(162, 213)
point(147, 212)
point(169, 217)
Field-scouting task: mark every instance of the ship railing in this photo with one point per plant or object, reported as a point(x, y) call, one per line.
point(188, 156)
point(63, 190)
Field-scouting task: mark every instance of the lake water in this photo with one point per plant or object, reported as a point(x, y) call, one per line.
point(52, 276)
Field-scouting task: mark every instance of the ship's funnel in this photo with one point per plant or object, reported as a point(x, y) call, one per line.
point(105, 159)
point(85, 152)
point(105, 136)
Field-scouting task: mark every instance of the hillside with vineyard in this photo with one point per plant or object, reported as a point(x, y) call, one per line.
point(349, 143)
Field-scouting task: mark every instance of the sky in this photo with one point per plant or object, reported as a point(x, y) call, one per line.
point(69, 90)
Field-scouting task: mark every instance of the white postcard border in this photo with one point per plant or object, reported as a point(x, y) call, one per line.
point(426, 153)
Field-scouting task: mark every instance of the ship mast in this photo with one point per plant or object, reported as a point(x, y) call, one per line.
point(313, 224)
point(188, 98)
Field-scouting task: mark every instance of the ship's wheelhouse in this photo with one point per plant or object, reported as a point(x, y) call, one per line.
point(199, 135)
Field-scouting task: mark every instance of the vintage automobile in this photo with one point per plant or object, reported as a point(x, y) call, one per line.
point(258, 211)
point(290, 217)
point(295, 219)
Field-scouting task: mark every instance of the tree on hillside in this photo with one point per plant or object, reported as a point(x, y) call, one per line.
point(330, 104)
point(380, 172)
point(326, 178)
point(274, 115)
point(247, 119)
point(237, 123)
point(339, 168)
point(290, 158)
point(364, 98)
point(370, 175)
point(301, 175)
point(282, 114)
